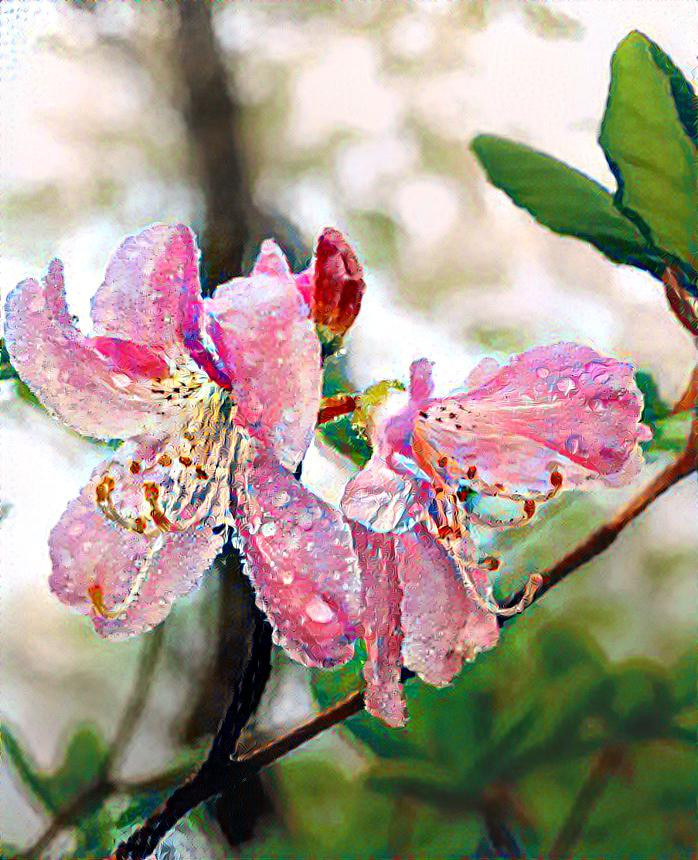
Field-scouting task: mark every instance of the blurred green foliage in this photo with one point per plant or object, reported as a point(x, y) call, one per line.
point(648, 135)
point(670, 430)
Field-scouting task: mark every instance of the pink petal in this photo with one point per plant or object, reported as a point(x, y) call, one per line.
point(382, 595)
point(101, 387)
point(382, 499)
point(261, 330)
point(97, 563)
point(562, 407)
point(271, 262)
point(483, 371)
point(442, 625)
point(301, 560)
point(421, 381)
point(151, 292)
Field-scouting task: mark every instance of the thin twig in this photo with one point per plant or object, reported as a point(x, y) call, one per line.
point(604, 536)
point(606, 764)
point(214, 776)
point(104, 785)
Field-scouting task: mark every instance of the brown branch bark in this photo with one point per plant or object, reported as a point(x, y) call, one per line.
point(212, 119)
point(604, 536)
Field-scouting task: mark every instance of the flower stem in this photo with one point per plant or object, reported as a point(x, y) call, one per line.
point(606, 764)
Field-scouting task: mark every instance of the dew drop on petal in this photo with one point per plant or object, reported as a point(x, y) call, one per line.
point(572, 444)
point(268, 529)
point(565, 385)
point(319, 611)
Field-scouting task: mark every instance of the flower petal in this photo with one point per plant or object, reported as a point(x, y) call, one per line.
point(442, 625)
point(559, 408)
point(100, 386)
point(301, 560)
point(99, 567)
point(382, 499)
point(382, 595)
point(261, 330)
point(151, 292)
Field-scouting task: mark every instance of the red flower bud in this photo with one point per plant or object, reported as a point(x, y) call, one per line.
point(338, 286)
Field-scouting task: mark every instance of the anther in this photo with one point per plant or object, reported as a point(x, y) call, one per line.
point(529, 508)
point(139, 525)
point(151, 491)
point(135, 467)
point(443, 462)
point(556, 478)
point(472, 471)
point(165, 460)
point(185, 461)
point(201, 473)
point(490, 562)
point(104, 488)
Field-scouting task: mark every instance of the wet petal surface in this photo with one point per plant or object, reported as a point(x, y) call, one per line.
point(151, 292)
point(261, 330)
point(382, 598)
point(125, 581)
point(560, 408)
point(301, 560)
point(442, 625)
point(99, 386)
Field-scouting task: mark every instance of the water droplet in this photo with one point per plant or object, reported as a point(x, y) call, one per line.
point(542, 372)
point(268, 529)
point(287, 577)
point(565, 385)
point(319, 611)
point(572, 444)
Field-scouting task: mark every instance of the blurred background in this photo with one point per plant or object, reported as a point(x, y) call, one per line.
point(252, 119)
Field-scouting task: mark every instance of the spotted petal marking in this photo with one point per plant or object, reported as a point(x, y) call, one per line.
point(562, 409)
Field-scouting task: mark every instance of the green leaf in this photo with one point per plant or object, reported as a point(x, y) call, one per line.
point(684, 95)
point(25, 767)
point(84, 757)
point(670, 431)
point(564, 200)
point(7, 371)
point(647, 146)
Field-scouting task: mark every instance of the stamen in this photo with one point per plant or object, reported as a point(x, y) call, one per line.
point(96, 594)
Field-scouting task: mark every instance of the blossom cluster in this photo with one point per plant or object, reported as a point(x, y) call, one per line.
point(217, 400)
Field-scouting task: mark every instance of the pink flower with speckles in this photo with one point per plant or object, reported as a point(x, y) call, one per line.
point(554, 418)
point(217, 400)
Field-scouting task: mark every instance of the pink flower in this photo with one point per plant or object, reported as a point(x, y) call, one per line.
point(554, 418)
point(217, 399)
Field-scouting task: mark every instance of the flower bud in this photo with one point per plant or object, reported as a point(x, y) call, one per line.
point(337, 288)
